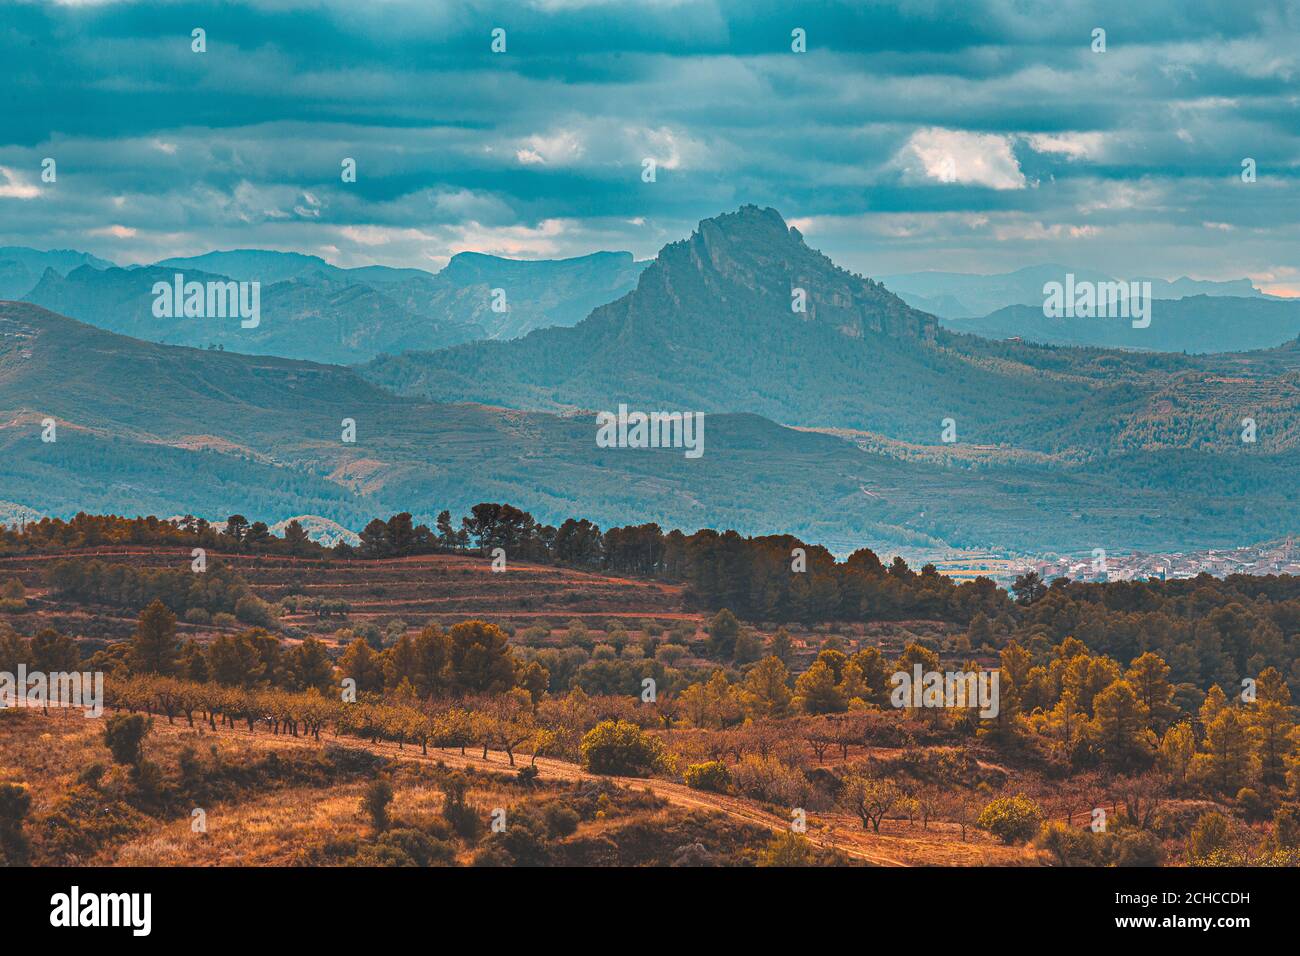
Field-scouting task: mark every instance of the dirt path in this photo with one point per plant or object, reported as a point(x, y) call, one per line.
point(832, 836)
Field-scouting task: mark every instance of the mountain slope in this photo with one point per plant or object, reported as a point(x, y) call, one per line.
point(147, 428)
point(1200, 323)
point(313, 315)
point(542, 294)
point(317, 311)
point(21, 268)
point(710, 327)
point(958, 295)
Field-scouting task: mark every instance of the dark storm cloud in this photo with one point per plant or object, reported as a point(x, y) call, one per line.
point(910, 135)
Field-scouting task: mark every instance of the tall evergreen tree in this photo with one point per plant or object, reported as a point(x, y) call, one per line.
point(154, 649)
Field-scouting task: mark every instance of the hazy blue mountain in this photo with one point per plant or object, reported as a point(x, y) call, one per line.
point(711, 327)
point(958, 295)
point(1057, 449)
point(160, 429)
point(314, 315)
point(1199, 323)
point(251, 265)
point(21, 268)
point(539, 293)
point(543, 294)
point(317, 311)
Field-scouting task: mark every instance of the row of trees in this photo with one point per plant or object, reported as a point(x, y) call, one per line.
point(779, 577)
point(768, 578)
point(1209, 630)
point(96, 531)
point(507, 721)
point(217, 590)
point(1084, 709)
point(471, 658)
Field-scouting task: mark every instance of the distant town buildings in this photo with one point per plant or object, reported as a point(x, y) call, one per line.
point(1275, 557)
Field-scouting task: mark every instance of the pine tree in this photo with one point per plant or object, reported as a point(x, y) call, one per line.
point(1270, 725)
point(768, 687)
point(816, 691)
point(1120, 723)
point(361, 663)
point(310, 665)
point(154, 649)
point(781, 647)
point(295, 537)
point(1177, 750)
point(1226, 763)
point(1149, 676)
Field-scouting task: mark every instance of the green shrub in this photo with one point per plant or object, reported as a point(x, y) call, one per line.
point(381, 854)
point(124, 736)
point(1138, 848)
point(197, 615)
point(1212, 833)
point(1011, 819)
point(525, 838)
point(375, 801)
point(423, 849)
point(253, 610)
point(620, 748)
point(787, 849)
point(561, 821)
point(1070, 845)
point(463, 818)
point(15, 802)
point(1252, 805)
point(712, 775)
point(493, 854)
point(1286, 828)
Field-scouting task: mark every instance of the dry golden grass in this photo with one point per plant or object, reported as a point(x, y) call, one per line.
point(294, 824)
point(272, 830)
point(940, 844)
point(45, 753)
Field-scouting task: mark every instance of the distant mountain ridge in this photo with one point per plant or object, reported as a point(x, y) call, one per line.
point(309, 316)
point(418, 310)
point(317, 311)
point(161, 429)
point(959, 295)
point(713, 325)
point(21, 268)
point(1198, 324)
point(833, 410)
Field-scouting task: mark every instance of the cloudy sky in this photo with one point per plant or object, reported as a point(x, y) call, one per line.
point(966, 136)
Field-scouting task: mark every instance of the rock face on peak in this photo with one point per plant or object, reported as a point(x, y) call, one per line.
point(715, 324)
point(741, 314)
point(753, 256)
point(157, 429)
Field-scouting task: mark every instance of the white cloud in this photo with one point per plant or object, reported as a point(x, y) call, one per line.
point(1042, 232)
point(383, 235)
point(668, 148)
point(606, 142)
point(15, 187)
point(1069, 145)
point(1114, 197)
point(558, 149)
point(115, 232)
point(527, 242)
point(957, 156)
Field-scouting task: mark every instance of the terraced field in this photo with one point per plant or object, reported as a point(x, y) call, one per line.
point(417, 590)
